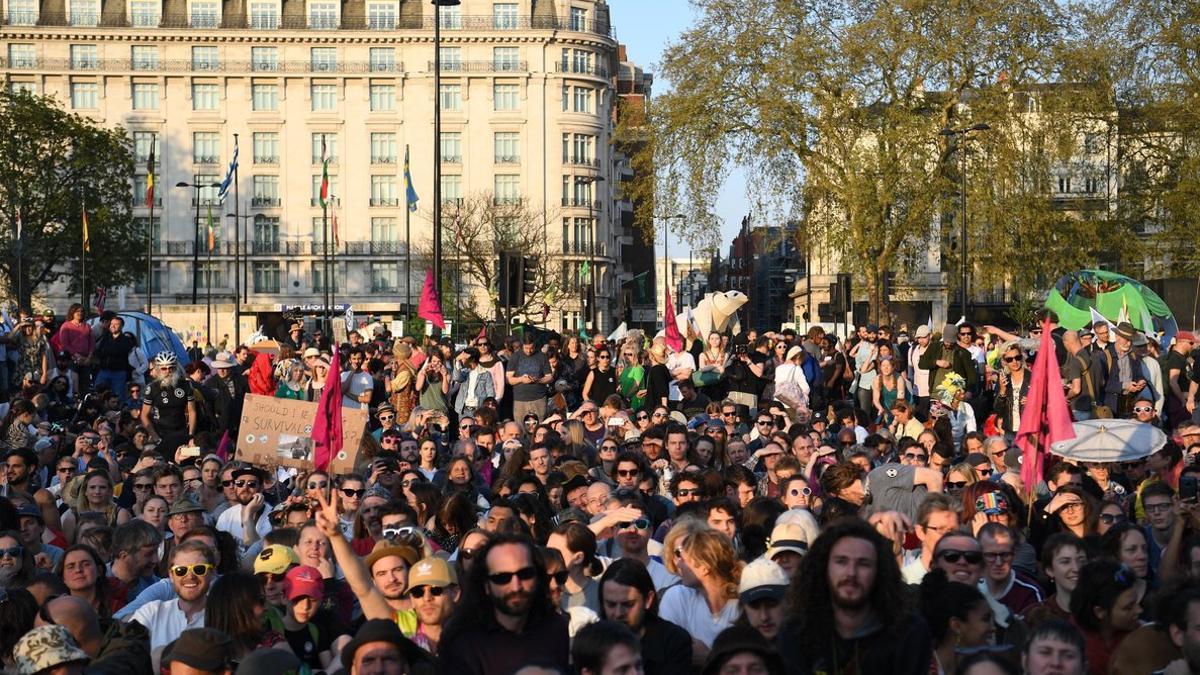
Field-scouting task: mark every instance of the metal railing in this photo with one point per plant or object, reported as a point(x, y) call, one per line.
point(183, 20)
point(481, 66)
point(508, 159)
point(265, 202)
point(189, 66)
point(580, 203)
point(385, 201)
point(580, 69)
point(266, 247)
point(380, 159)
point(373, 247)
point(266, 160)
point(206, 159)
point(581, 160)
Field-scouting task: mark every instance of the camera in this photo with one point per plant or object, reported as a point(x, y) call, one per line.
point(740, 350)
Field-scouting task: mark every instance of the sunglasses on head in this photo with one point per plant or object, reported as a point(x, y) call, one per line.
point(419, 591)
point(504, 578)
point(199, 569)
point(971, 557)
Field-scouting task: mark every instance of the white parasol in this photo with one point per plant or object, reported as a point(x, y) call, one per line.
point(1111, 440)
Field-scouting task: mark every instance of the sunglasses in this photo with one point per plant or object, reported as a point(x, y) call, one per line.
point(956, 484)
point(67, 469)
point(385, 418)
point(687, 492)
point(12, 552)
point(357, 494)
point(269, 578)
point(245, 484)
point(560, 577)
point(1004, 556)
point(628, 473)
point(504, 578)
point(199, 569)
point(1142, 409)
point(984, 472)
point(728, 413)
point(608, 446)
point(226, 483)
point(971, 557)
point(136, 486)
point(1014, 359)
point(419, 591)
point(1112, 518)
point(603, 357)
point(796, 492)
point(915, 458)
point(318, 486)
point(399, 532)
point(658, 414)
point(642, 417)
point(765, 423)
point(639, 524)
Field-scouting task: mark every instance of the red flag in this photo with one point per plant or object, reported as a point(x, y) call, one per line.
point(327, 426)
point(670, 326)
point(1046, 418)
point(430, 308)
point(482, 333)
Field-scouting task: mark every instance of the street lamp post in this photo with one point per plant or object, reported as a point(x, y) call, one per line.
point(196, 185)
point(437, 135)
point(963, 134)
point(238, 226)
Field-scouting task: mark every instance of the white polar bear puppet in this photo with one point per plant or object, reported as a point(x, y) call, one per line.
point(716, 312)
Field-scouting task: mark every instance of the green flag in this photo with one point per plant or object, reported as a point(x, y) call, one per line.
point(585, 270)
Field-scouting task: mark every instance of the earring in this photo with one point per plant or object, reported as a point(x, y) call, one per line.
point(957, 639)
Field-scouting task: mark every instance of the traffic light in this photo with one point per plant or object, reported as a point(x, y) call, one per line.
point(529, 270)
point(889, 285)
point(508, 273)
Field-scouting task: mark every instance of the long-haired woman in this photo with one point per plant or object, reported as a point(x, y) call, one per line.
point(236, 606)
point(95, 495)
point(709, 572)
point(83, 571)
point(958, 616)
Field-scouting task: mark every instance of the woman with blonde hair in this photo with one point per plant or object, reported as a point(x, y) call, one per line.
point(93, 493)
point(659, 379)
point(293, 382)
point(574, 437)
point(705, 602)
point(958, 477)
point(403, 385)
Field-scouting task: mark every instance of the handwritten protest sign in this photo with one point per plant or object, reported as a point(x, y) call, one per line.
point(278, 432)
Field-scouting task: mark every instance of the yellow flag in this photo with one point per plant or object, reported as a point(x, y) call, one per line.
point(87, 244)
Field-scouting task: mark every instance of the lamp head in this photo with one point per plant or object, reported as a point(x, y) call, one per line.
point(446, 3)
point(183, 184)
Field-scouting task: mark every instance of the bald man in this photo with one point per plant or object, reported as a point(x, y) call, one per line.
point(122, 650)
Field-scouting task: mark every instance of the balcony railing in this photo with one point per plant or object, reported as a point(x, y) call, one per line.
point(581, 160)
point(506, 201)
point(383, 159)
point(581, 69)
point(580, 203)
point(374, 247)
point(482, 66)
point(508, 159)
point(206, 159)
point(580, 247)
point(384, 287)
point(274, 159)
point(264, 202)
point(143, 65)
point(451, 159)
point(385, 201)
point(271, 246)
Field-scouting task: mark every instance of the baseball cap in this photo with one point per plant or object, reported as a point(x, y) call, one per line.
point(762, 578)
point(205, 649)
point(275, 559)
point(29, 511)
point(432, 571)
point(1185, 336)
point(304, 580)
point(923, 331)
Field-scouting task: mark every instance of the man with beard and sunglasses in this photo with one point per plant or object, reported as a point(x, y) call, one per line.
point(433, 589)
point(505, 618)
point(247, 520)
point(169, 409)
point(847, 609)
point(193, 570)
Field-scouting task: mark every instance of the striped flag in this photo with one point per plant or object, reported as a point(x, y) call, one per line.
point(212, 232)
point(87, 242)
point(228, 181)
point(324, 196)
point(410, 193)
point(150, 177)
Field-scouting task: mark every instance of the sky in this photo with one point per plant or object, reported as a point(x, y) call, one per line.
point(645, 27)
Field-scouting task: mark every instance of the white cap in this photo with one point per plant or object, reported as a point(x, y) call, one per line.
point(762, 578)
point(788, 536)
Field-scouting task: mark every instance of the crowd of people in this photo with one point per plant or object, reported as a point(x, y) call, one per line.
point(542, 504)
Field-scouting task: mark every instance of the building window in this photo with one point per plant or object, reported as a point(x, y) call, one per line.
point(22, 87)
point(266, 147)
point(266, 277)
point(506, 97)
point(451, 58)
point(1091, 185)
point(205, 58)
point(266, 233)
point(385, 277)
point(204, 14)
point(206, 147)
point(1064, 184)
point(264, 58)
point(316, 188)
point(144, 57)
point(157, 273)
point(383, 191)
point(84, 57)
point(383, 229)
point(582, 148)
point(582, 61)
point(383, 148)
point(264, 97)
point(508, 189)
point(383, 97)
point(324, 98)
point(142, 142)
point(451, 97)
point(145, 96)
point(579, 18)
point(144, 13)
point(451, 147)
point(452, 189)
point(381, 15)
point(211, 275)
point(264, 15)
point(382, 60)
point(205, 96)
point(452, 17)
point(583, 100)
point(84, 13)
point(84, 95)
point(139, 190)
point(504, 16)
point(322, 15)
point(266, 191)
point(22, 55)
point(208, 194)
point(23, 12)
point(507, 147)
point(506, 59)
point(318, 270)
point(331, 147)
point(323, 59)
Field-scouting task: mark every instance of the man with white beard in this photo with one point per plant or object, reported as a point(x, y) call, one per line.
point(169, 405)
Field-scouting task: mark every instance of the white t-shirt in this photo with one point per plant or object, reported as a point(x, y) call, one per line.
point(661, 577)
point(686, 607)
point(165, 621)
point(674, 362)
point(353, 386)
point(231, 522)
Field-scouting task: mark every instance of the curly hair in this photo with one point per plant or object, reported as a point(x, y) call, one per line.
point(810, 597)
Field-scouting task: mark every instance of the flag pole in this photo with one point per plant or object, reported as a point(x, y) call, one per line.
point(407, 244)
point(237, 257)
point(208, 280)
point(150, 235)
point(83, 245)
point(20, 253)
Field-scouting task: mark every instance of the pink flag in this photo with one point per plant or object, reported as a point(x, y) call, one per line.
point(1046, 418)
point(670, 326)
point(430, 307)
point(327, 426)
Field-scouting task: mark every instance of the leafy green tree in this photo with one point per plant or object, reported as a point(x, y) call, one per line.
point(52, 163)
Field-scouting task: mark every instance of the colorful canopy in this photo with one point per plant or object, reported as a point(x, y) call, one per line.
point(1077, 293)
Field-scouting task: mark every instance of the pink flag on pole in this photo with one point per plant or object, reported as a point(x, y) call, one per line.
point(670, 326)
point(1046, 418)
point(327, 426)
point(430, 307)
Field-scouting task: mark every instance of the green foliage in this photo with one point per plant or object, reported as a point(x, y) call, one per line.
point(51, 163)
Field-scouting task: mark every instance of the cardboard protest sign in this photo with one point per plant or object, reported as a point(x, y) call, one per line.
point(278, 432)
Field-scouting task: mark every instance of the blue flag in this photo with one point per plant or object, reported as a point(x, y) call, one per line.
point(409, 192)
point(233, 165)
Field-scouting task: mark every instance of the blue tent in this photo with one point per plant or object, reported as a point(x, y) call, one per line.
point(153, 335)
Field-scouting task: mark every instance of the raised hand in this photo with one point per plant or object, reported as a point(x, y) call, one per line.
point(326, 515)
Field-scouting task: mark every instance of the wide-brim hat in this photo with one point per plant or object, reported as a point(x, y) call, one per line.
point(43, 648)
point(1127, 331)
point(794, 352)
point(224, 360)
point(184, 504)
point(381, 630)
point(409, 554)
